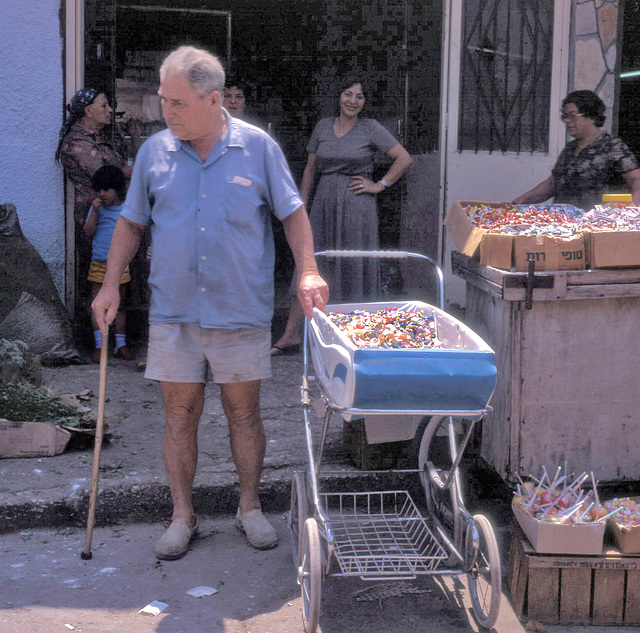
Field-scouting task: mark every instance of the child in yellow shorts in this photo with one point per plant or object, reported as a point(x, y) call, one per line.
point(109, 183)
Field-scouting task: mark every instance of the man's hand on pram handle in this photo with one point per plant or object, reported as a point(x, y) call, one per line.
point(312, 290)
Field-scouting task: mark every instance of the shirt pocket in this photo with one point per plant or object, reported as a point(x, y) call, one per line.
point(242, 202)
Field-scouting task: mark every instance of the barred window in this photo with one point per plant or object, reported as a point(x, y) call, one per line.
point(506, 75)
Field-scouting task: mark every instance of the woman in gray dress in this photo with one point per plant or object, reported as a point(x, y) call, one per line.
point(343, 213)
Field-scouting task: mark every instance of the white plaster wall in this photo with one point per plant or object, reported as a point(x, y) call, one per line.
point(31, 94)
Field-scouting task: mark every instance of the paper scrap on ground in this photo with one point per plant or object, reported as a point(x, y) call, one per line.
point(154, 608)
point(199, 592)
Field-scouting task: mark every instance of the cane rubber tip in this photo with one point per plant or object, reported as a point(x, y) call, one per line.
point(86, 556)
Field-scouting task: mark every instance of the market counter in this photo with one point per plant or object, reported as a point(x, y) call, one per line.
point(567, 348)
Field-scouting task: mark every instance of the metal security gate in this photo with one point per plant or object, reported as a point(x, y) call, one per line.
point(501, 136)
point(506, 65)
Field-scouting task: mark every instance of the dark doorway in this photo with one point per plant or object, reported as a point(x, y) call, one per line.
point(629, 111)
point(290, 55)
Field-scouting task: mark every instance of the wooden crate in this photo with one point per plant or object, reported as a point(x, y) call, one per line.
point(554, 589)
point(367, 456)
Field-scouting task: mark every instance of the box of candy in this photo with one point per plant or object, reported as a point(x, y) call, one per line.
point(400, 356)
point(559, 516)
point(612, 235)
point(549, 253)
point(509, 252)
point(462, 227)
point(625, 523)
point(560, 538)
point(508, 236)
point(496, 250)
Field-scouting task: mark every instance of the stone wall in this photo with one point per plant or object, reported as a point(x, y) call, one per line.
point(595, 48)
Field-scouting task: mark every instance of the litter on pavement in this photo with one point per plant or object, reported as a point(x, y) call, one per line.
point(199, 592)
point(155, 607)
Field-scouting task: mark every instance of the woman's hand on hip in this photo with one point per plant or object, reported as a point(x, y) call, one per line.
point(359, 184)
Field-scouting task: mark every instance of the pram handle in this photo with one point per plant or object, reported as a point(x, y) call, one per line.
point(373, 254)
point(393, 255)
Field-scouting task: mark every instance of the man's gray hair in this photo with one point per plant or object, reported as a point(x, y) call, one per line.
point(200, 68)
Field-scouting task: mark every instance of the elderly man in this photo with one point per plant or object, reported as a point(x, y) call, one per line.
point(207, 187)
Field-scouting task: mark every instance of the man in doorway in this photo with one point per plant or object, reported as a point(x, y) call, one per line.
point(207, 186)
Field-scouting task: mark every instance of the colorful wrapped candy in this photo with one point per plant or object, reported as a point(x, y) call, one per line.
point(388, 328)
point(628, 515)
point(553, 220)
point(605, 218)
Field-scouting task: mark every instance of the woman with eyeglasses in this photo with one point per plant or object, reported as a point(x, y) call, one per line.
point(592, 164)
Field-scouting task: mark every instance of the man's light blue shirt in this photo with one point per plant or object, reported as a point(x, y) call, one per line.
point(212, 251)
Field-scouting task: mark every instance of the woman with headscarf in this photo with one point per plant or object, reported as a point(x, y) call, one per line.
point(82, 150)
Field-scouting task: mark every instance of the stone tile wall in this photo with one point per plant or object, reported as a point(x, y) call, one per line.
point(595, 26)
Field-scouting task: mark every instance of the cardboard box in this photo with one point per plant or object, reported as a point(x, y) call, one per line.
point(513, 251)
point(366, 456)
point(613, 249)
point(464, 234)
point(627, 539)
point(496, 250)
point(32, 439)
point(553, 538)
point(549, 253)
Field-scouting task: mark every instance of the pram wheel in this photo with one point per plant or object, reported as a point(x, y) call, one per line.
point(298, 514)
point(484, 576)
point(434, 462)
point(310, 575)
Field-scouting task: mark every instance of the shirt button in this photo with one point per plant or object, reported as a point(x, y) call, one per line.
point(203, 289)
point(202, 228)
point(203, 258)
point(204, 195)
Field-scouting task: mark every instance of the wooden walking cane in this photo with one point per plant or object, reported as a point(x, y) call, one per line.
point(86, 552)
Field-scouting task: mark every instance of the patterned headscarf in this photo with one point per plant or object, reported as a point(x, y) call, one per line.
point(80, 101)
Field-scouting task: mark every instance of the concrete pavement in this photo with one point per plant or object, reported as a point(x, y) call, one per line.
point(44, 584)
point(52, 491)
point(45, 587)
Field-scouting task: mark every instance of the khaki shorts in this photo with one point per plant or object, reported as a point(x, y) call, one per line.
point(98, 269)
point(181, 352)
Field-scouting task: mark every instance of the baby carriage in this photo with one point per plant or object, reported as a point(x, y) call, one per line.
point(383, 535)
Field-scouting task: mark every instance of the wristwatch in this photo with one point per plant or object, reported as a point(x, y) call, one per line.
point(383, 182)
